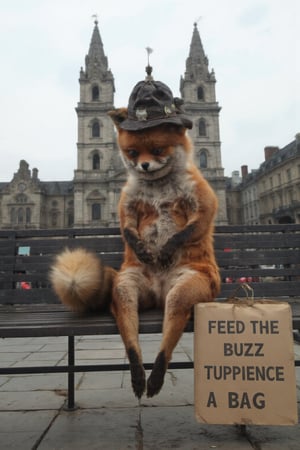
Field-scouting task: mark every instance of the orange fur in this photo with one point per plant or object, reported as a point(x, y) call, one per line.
point(167, 212)
point(81, 281)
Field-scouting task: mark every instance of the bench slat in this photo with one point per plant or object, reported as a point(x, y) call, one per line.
point(48, 320)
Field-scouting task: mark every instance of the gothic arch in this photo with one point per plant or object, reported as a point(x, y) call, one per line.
point(202, 127)
point(96, 211)
point(200, 93)
point(95, 128)
point(95, 195)
point(203, 158)
point(96, 161)
point(20, 216)
point(95, 157)
point(95, 93)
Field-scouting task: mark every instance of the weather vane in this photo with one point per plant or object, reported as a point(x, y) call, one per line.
point(149, 51)
point(95, 17)
point(149, 68)
point(197, 21)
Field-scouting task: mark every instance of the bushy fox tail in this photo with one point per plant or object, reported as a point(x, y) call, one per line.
point(81, 281)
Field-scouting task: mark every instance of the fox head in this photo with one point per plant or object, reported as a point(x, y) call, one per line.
point(155, 152)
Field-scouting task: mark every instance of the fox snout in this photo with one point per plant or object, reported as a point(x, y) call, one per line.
point(145, 166)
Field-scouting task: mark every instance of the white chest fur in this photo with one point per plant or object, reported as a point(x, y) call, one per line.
point(161, 196)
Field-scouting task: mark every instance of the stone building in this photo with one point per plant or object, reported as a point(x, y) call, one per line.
point(270, 194)
point(198, 91)
point(91, 198)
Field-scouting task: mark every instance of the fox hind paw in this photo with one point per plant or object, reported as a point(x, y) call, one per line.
point(138, 378)
point(156, 378)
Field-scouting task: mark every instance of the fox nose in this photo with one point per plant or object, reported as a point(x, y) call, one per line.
point(145, 166)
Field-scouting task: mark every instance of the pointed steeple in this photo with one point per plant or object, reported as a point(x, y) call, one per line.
point(197, 61)
point(198, 91)
point(96, 63)
point(196, 48)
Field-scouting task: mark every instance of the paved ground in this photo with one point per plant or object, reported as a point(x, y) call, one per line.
point(109, 417)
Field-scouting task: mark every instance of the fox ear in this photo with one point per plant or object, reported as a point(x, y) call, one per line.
point(118, 116)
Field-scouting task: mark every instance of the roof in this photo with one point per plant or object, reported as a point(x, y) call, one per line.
point(57, 187)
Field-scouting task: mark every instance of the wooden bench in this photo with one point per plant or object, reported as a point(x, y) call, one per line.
point(266, 257)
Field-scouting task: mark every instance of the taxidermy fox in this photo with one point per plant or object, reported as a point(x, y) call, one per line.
point(166, 211)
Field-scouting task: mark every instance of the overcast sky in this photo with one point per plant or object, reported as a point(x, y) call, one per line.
point(253, 46)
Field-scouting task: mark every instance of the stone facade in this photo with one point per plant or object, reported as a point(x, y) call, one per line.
point(91, 198)
point(198, 91)
point(270, 194)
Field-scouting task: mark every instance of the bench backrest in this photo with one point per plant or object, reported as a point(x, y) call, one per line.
point(266, 257)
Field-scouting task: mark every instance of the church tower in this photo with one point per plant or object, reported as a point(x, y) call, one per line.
point(95, 201)
point(197, 88)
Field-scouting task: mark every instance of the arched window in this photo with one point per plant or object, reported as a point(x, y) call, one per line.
point(200, 93)
point(202, 127)
point(13, 216)
point(96, 161)
point(95, 129)
point(54, 219)
point(20, 216)
point(96, 211)
point(95, 93)
point(203, 159)
point(70, 218)
point(28, 215)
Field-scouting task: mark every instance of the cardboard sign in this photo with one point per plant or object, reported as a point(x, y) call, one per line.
point(244, 364)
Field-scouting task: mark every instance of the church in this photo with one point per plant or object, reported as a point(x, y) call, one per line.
point(91, 198)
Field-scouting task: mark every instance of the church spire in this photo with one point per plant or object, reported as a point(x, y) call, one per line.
point(96, 64)
point(197, 61)
point(196, 48)
point(198, 91)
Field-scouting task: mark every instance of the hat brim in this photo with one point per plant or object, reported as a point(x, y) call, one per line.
point(135, 125)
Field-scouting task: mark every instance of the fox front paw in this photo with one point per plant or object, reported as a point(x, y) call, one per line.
point(143, 253)
point(166, 257)
point(138, 246)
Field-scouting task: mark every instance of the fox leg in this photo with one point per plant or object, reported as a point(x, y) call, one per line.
point(131, 288)
point(186, 287)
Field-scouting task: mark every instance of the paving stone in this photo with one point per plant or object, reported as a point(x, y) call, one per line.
point(12, 357)
point(27, 348)
point(31, 400)
point(100, 345)
point(45, 356)
point(88, 362)
point(276, 438)
point(101, 380)
point(24, 421)
point(109, 429)
point(110, 416)
point(105, 398)
point(21, 430)
point(3, 380)
point(45, 382)
point(21, 440)
point(100, 354)
point(176, 428)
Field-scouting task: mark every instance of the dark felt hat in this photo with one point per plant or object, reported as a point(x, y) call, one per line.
point(151, 103)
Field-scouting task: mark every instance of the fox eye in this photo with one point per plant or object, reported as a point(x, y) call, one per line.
point(132, 152)
point(157, 151)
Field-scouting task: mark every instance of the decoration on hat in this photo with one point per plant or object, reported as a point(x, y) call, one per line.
point(151, 103)
point(149, 68)
point(170, 110)
point(141, 114)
